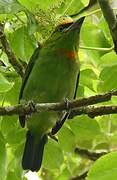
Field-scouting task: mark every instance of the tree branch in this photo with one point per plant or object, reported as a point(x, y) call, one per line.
point(93, 156)
point(89, 154)
point(77, 107)
point(10, 54)
point(93, 111)
point(110, 18)
point(80, 177)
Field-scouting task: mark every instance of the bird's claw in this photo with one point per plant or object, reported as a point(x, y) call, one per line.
point(32, 108)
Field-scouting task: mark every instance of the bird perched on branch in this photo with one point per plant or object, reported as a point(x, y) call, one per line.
point(51, 76)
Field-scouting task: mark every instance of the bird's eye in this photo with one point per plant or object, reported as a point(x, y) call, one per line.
point(63, 27)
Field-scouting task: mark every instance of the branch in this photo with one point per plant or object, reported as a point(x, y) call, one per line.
point(10, 54)
point(31, 107)
point(93, 156)
point(80, 177)
point(93, 111)
point(110, 18)
point(89, 154)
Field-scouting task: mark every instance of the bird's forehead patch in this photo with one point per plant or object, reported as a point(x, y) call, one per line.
point(72, 55)
point(64, 20)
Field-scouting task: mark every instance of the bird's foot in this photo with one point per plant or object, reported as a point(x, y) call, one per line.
point(67, 104)
point(32, 107)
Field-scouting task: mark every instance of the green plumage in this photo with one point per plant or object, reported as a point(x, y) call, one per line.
point(51, 76)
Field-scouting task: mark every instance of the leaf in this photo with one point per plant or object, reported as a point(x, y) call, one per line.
point(10, 6)
point(104, 168)
point(31, 5)
point(109, 59)
point(86, 78)
point(15, 136)
point(22, 43)
point(53, 156)
point(80, 91)
point(12, 95)
point(66, 139)
point(8, 123)
point(3, 157)
point(104, 27)
point(73, 8)
point(64, 175)
point(13, 175)
point(5, 85)
point(107, 79)
point(92, 36)
point(84, 128)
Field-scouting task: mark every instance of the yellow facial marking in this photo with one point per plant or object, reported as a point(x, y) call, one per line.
point(64, 20)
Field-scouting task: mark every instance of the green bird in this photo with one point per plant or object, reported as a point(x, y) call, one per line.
point(51, 76)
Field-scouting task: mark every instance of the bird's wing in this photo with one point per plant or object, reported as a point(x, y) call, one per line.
point(65, 114)
point(29, 68)
point(77, 83)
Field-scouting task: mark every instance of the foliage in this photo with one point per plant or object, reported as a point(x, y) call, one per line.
point(26, 23)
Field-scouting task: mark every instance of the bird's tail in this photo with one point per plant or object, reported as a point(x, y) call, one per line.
point(33, 152)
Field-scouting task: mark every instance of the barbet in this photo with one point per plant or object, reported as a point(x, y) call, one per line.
point(51, 76)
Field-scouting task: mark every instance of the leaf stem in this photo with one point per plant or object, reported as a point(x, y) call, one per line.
point(97, 48)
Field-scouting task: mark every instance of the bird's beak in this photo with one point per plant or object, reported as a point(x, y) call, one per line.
point(76, 25)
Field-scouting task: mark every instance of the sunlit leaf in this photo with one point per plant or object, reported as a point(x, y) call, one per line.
point(5, 85)
point(10, 6)
point(104, 168)
point(53, 156)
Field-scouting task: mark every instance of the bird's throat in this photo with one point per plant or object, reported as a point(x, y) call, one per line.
point(70, 54)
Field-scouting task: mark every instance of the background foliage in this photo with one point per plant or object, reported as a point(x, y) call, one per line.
point(26, 23)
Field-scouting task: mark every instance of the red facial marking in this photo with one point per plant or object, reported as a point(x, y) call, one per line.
point(68, 53)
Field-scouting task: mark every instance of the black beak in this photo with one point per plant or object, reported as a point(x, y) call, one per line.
point(77, 24)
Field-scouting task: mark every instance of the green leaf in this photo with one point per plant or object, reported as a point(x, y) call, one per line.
point(22, 43)
point(107, 79)
point(53, 156)
point(31, 5)
point(104, 27)
point(8, 123)
point(13, 175)
point(86, 78)
point(11, 96)
point(10, 6)
point(5, 85)
point(105, 60)
point(71, 8)
point(3, 157)
point(104, 168)
point(66, 139)
point(80, 91)
point(15, 136)
point(84, 128)
point(92, 36)
point(64, 175)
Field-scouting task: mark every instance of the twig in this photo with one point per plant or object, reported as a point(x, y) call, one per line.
point(94, 111)
point(97, 48)
point(110, 18)
point(88, 154)
point(93, 156)
point(26, 108)
point(10, 54)
point(80, 177)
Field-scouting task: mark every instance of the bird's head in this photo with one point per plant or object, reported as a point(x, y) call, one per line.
point(66, 33)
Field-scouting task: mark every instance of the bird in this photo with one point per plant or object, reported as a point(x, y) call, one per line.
point(51, 76)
